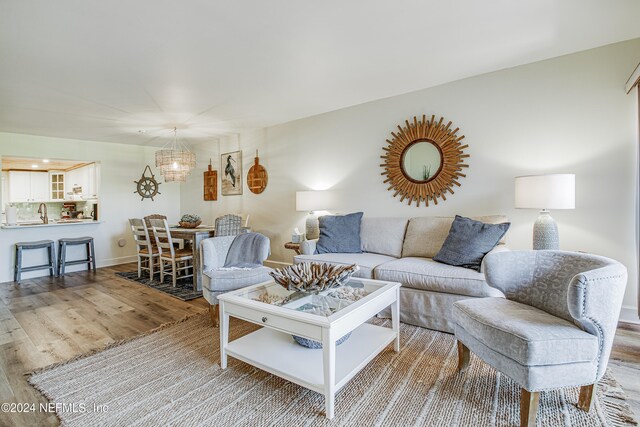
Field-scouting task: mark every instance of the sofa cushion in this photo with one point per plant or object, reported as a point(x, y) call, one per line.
point(429, 275)
point(230, 280)
point(528, 335)
point(339, 234)
point(469, 241)
point(426, 235)
point(383, 235)
point(366, 261)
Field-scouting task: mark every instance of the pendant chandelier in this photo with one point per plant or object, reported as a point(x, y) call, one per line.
point(175, 161)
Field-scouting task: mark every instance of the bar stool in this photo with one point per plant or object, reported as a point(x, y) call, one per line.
point(74, 241)
point(40, 244)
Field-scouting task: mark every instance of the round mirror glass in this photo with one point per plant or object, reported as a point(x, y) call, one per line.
point(421, 161)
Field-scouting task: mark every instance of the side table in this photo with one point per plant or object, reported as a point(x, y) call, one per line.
point(293, 246)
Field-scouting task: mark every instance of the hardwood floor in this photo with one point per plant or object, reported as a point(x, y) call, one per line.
point(48, 320)
point(625, 363)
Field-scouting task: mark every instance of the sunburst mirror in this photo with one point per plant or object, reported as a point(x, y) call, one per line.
point(424, 160)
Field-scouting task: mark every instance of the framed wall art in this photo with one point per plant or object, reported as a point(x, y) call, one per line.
point(231, 174)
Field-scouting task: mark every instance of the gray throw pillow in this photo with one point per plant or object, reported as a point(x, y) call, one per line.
point(469, 241)
point(339, 234)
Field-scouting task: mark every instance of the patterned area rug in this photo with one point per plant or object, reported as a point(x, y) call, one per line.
point(172, 377)
point(183, 290)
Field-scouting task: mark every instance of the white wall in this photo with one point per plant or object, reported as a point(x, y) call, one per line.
point(192, 192)
point(568, 114)
point(121, 165)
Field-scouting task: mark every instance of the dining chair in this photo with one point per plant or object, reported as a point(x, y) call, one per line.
point(179, 260)
point(147, 252)
point(230, 225)
point(147, 220)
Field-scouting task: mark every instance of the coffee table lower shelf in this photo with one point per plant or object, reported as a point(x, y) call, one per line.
point(277, 353)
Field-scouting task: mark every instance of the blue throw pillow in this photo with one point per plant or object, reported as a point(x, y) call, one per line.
point(339, 234)
point(469, 241)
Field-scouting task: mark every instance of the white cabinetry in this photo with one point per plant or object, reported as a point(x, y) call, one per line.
point(39, 187)
point(5, 189)
point(27, 186)
point(19, 186)
point(56, 186)
point(83, 177)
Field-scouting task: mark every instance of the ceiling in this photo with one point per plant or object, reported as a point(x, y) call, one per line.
point(105, 70)
point(35, 164)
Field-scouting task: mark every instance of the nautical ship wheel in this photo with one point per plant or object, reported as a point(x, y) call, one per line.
point(147, 187)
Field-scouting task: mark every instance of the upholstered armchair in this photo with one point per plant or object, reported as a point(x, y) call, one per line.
point(555, 327)
point(232, 262)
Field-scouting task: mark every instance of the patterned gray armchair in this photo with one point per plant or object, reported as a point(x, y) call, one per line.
point(554, 329)
point(218, 276)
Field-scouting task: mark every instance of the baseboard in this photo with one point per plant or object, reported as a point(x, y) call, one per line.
point(115, 261)
point(629, 314)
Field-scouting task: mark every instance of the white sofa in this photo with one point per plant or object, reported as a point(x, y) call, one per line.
point(401, 250)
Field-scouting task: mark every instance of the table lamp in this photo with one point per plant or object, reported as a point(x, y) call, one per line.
point(312, 201)
point(544, 192)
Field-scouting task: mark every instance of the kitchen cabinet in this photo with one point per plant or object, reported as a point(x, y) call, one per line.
point(27, 186)
point(56, 186)
point(82, 178)
point(5, 189)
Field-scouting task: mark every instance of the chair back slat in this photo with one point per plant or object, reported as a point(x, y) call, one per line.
point(140, 233)
point(228, 225)
point(147, 221)
point(163, 237)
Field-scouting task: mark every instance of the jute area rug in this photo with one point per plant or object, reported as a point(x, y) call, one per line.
point(171, 377)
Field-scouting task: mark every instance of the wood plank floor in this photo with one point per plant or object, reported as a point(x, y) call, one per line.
point(47, 320)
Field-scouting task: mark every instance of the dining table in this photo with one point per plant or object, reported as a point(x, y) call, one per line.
point(195, 236)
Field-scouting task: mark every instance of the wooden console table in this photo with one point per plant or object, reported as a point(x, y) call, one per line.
point(293, 247)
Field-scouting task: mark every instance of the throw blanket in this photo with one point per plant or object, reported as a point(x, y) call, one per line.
point(247, 251)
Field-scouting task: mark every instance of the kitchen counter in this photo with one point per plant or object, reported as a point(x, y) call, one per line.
point(63, 223)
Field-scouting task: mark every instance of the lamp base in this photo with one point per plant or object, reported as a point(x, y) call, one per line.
point(545, 232)
point(312, 227)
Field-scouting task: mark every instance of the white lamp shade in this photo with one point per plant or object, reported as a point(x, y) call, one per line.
point(554, 191)
point(309, 201)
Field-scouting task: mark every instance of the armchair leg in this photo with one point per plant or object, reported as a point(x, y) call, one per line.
point(214, 312)
point(463, 357)
point(528, 408)
point(586, 397)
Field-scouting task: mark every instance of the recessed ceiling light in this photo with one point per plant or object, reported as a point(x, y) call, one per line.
point(45, 160)
point(34, 166)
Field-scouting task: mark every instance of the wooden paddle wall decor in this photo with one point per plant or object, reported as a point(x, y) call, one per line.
point(257, 177)
point(210, 184)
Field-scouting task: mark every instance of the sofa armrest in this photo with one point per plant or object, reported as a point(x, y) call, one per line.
point(308, 247)
point(499, 248)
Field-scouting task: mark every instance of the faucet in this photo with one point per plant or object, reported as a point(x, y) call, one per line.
point(42, 210)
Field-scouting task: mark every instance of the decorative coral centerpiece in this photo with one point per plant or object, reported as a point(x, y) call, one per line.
point(313, 277)
point(190, 221)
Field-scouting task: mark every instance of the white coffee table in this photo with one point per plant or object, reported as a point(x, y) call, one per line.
point(325, 371)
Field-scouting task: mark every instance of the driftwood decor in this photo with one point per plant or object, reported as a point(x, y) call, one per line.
point(313, 277)
point(147, 187)
point(257, 177)
point(210, 184)
point(424, 160)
